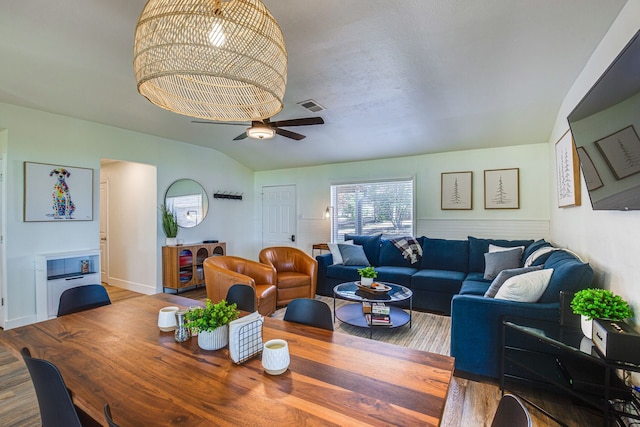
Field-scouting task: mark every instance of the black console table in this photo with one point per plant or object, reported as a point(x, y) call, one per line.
point(561, 358)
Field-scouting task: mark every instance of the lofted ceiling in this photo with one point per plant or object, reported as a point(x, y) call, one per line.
point(397, 78)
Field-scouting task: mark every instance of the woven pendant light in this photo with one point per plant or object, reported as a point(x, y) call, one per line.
point(211, 59)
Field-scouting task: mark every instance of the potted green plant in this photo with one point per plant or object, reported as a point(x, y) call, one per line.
point(169, 224)
point(367, 274)
point(596, 303)
point(211, 322)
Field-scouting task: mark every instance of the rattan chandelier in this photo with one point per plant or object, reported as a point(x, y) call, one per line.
point(211, 59)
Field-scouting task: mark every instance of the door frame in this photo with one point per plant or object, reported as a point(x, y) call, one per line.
point(104, 210)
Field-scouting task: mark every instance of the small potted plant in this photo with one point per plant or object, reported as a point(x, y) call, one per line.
point(169, 224)
point(367, 274)
point(212, 323)
point(599, 304)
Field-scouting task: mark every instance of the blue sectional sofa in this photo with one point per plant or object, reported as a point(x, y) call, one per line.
point(449, 279)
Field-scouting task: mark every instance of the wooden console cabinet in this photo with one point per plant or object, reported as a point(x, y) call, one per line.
point(182, 265)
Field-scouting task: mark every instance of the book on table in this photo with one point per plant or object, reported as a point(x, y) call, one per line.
point(375, 307)
point(377, 319)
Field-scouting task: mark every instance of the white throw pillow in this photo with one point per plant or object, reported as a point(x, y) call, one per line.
point(494, 248)
point(335, 252)
point(527, 287)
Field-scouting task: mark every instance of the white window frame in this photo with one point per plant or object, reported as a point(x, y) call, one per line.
point(341, 211)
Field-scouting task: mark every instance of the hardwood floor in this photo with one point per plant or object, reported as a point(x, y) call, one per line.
point(469, 404)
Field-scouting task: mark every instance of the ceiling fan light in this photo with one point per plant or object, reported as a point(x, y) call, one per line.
point(261, 132)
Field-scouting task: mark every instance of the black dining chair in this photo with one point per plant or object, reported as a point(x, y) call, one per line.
point(56, 406)
point(244, 296)
point(82, 298)
point(310, 312)
point(108, 417)
point(511, 412)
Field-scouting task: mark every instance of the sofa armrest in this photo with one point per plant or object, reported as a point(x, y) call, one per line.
point(476, 328)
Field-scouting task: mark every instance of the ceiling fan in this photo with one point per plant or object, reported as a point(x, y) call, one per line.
point(266, 129)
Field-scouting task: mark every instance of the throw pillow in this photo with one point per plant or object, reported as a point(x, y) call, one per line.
point(353, 255)
point(494, 248)
point(495, 262)
point(527, 287)
point(335, 252)
point(504, 275)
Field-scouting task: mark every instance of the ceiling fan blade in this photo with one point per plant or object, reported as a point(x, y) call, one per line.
point(299, 122)
point(289, 134)
point(241, 136)
point(218, 123)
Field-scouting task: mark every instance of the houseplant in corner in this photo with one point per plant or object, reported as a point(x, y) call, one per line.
point(169, 224)
point(599, 304)
point(212, 323)
point(367, 274)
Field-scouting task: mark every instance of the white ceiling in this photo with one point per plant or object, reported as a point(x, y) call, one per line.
point(398, 78)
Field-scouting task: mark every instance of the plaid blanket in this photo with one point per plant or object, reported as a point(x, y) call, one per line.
point(409, 247)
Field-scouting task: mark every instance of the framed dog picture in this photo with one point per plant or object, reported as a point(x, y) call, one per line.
point(57, 193)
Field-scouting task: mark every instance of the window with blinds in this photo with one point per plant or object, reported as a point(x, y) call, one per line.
point(367, 208)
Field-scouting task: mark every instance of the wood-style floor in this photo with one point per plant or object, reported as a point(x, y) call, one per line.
point(470, 403)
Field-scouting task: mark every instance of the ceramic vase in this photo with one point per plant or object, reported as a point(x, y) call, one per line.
point(214, 340)
point(586, 325)
point(366, 281)
point(171, 241)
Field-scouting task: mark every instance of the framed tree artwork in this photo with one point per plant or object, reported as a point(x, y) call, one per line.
point(567, 172)
point(502, 188)
point(621, 150)
point(456, 190)
point(57, 193)
point(589, 171)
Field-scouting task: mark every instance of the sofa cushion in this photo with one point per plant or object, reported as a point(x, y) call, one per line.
point(474, 287)
point(343, 273)
point(478, 247)
point(353, 255)
point(398, 275)
point(569, 274)
point(504, 275)
point(371, 245)
point(527, 287)
point(437, 280)
point(495, 262)
point(392, 256)
point(443, 254)
point(534, 247)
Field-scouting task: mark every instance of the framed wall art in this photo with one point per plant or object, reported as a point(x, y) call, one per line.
point(621, 150)
point(567, 172)
point(502, 188)
point(589, 171)
point(57, 193)
point(456, 190)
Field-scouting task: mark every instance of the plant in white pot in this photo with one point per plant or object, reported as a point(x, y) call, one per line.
point(599, 304)
point(367, 274)
point(169, 224)
point(212, 323)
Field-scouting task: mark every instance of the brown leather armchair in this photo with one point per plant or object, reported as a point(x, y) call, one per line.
point(297, 272)
point(221, 272)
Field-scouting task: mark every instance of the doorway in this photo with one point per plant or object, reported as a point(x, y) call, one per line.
point(279, 216)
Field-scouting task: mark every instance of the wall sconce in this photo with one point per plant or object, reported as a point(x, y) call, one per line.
point(327, 213)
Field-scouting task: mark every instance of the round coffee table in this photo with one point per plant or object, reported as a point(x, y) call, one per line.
point(352, 314)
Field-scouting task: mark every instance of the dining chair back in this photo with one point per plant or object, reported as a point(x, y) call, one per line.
point(82, 298)
point(310, 312)
point(244, 296)
point(56, 406)
point(108, 417)
point(511, 412)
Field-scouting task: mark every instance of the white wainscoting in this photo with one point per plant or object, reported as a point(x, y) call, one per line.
point(485, 228)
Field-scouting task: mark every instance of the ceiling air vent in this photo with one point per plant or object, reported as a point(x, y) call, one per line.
point(311, 105)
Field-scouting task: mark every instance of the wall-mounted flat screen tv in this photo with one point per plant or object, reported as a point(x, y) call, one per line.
point(605, 126)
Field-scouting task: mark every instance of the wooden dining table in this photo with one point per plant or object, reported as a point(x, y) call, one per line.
point(117, 355)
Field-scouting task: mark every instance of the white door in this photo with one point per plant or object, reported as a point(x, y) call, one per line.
point(2, 298)
point(104, 231)
point(279, 216)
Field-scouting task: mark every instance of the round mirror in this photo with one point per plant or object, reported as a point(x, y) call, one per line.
point(188, 200)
